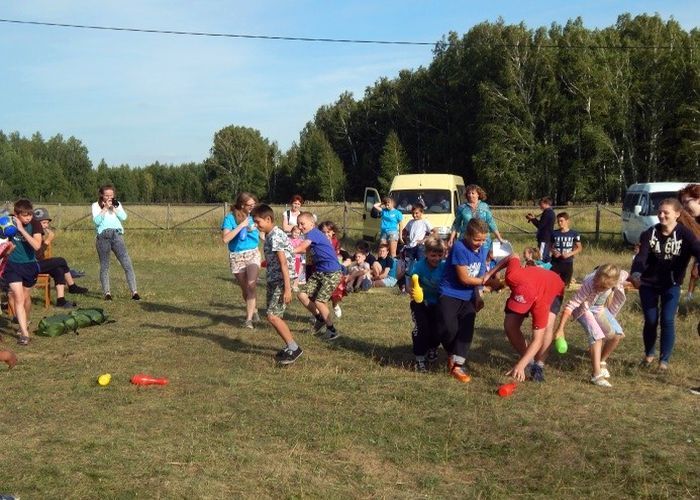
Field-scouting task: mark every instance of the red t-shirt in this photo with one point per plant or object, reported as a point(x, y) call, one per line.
point(532, 290)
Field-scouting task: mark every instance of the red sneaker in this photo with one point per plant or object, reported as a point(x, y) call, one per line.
point(458, 372)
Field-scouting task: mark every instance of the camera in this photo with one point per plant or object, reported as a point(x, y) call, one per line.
point(115, 203)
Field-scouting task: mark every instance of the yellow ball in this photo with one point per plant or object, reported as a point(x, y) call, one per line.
point(104, 379)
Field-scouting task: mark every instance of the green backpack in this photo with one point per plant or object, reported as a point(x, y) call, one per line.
point(53, 326)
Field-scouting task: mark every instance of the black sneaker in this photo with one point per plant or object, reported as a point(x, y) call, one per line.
point(135, 296)
point(319, 327)
point(331, 335)
point(537, 373)
point(108, 296)
point(287, 356)
point(695, 390)
point(77, 289)
point(66, 304)
point(432, 355)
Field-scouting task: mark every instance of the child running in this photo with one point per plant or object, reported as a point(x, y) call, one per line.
point(595, 306)
point(460, 297)
point(280, 272)
point(319, 286)
point(427, 317)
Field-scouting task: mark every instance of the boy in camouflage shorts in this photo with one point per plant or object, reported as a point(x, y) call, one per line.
point(316, 293)
point(280, 273)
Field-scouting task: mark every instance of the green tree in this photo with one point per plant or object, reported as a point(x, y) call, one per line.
point(320, 171)
point(393, 162)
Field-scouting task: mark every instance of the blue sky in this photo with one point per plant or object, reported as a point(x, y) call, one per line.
point(136, 98)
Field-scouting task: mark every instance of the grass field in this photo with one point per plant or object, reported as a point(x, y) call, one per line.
point(348, 420)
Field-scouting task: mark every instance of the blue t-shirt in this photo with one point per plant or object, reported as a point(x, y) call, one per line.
point(429, 279)
point(564, 242)
point(390, 219)
point(461, 255)
point(322, 251)
point(246, 239)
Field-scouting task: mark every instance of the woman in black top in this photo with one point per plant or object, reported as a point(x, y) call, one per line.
point(658, 271)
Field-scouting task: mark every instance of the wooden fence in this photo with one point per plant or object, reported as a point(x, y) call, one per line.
point(593, 221)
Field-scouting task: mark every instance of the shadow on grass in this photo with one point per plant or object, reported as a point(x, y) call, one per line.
point(214, 318)
point(225, 342)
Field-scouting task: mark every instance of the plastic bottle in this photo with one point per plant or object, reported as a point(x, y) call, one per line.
point(417, 291)
point(507, 389)
point(143, 379)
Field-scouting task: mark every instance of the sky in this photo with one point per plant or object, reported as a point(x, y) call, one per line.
point(138, 98)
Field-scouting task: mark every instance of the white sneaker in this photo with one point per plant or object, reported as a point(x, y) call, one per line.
point(338, 311)
point(604, 370)
point(600, 381)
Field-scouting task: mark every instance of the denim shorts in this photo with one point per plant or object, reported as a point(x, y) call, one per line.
point(600, 325)
point(389, 281)
point(387, 235)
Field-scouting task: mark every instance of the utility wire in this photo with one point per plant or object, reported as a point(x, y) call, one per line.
point(334, 40)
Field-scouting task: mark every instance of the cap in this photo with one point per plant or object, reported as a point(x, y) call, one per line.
point(41, 214)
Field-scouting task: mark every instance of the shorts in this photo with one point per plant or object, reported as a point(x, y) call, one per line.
point(25, 272)
point(600, 325)
point(320, 286)
point(388, 235)
point(238, 261)
point(554, 308)
point(389, 281)
point(275, 300)
point(565, 270)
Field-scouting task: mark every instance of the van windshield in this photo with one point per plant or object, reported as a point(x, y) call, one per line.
point(435, 201)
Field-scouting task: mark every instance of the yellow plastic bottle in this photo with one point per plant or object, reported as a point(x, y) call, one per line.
point(417, 293)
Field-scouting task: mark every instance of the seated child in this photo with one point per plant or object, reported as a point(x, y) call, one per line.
point(319, 286)
point(384, 269)
point(532, 257)
point(428, 329)
point(595, 305)
point(56, 267)
point(357, 272)
point(363, 247)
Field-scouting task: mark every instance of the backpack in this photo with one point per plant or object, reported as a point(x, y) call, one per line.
point(53, 326)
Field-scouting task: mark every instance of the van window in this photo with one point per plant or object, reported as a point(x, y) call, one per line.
point(631, 199)
point(435, 201)
point(653, 207)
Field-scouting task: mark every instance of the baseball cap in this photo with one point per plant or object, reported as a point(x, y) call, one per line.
point(41, 213)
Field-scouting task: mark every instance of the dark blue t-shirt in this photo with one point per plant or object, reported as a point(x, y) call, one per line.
point(461, 255)
point(324, 257)
point(564, 242)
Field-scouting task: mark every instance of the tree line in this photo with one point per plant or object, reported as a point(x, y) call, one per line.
point(574, 113)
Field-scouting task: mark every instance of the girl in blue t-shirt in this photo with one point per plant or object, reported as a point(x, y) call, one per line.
point(460, 294)
point(428, 330)
point(242, 237)
point(391, 219)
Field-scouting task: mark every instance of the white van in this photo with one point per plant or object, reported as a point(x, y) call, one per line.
point(641, 204)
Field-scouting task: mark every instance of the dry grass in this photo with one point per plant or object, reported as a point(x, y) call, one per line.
point(347, 420)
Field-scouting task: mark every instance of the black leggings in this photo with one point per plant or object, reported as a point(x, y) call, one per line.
point(56, 267)
point(429, 328)
point(459, 317)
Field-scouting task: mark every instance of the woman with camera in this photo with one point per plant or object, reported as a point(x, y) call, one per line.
point(108, 214)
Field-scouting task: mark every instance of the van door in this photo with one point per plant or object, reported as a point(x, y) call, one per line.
point(370, 225)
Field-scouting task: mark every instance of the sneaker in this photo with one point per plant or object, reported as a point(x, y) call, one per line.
point(695, 390)
point(604, 369)
point(600, 381)
point(432, 355)
point(337, 311)
point(331, 335)
point(458, 372)
point(450, 362)
point(249, 324)
point(287, 356)
point(421, 366)
point(23, 340)
point(66, 304)
point(77, 289)
point(135, 296)
point(108, 296)
point(537, 373)
point(319, 327)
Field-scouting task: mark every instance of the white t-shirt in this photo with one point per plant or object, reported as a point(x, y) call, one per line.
point(417, 230)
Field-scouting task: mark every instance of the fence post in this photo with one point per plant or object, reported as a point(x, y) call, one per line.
point(345, 219)
point(597, 222)
point(167, 217)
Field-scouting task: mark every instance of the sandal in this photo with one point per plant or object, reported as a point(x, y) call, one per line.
point(23, 340)
point(646, 363)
